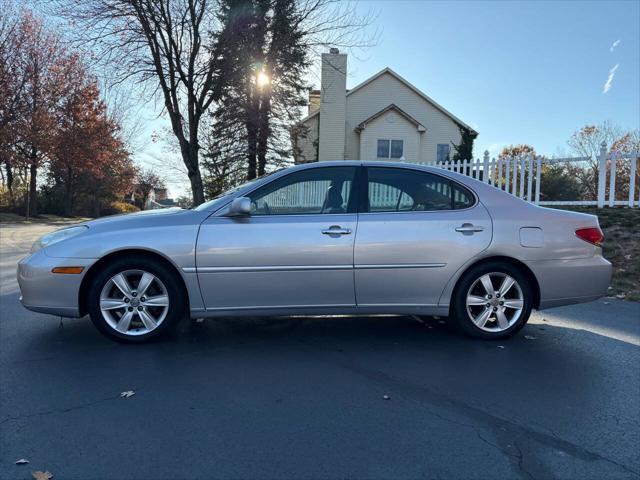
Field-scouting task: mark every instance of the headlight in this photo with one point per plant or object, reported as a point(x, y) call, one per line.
point(57, 236)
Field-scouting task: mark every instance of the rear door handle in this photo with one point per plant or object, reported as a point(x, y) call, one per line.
point(469, 228)
point(336, 230)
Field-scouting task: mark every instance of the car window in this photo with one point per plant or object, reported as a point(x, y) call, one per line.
point(398, 190)
point(314, 191)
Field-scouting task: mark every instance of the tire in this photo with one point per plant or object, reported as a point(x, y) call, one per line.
point(495, 316)
point(129, 318)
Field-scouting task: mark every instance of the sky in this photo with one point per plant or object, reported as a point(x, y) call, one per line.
point(518, 72)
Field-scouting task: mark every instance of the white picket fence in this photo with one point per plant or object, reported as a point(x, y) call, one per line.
point(520, 176)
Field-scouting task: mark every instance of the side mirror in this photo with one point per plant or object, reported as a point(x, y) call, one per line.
point(240, 207)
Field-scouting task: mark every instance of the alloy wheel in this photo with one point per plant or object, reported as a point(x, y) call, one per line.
point(134, 302)
point(494, 302)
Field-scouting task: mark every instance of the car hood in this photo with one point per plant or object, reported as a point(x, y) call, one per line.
point(133, 217)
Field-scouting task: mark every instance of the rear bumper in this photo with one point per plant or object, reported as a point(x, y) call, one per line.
point(565, 282)
point(51, 293)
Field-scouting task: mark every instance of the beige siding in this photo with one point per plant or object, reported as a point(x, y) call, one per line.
point(390, 126)
point(386, 90)
point(308, 142)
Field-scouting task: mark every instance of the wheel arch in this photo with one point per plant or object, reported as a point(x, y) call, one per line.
point(526, 271)
point(83, 297)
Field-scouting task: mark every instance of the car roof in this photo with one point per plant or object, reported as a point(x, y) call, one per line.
point(357, 163)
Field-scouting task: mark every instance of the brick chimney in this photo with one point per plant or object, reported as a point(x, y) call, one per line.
point(333, 104)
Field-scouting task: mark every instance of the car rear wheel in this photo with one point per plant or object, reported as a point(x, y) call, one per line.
point(134, 301)
point(492, 301)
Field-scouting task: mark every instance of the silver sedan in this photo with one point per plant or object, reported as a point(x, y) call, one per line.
point(321, 239)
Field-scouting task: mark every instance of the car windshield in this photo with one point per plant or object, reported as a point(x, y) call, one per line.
point(207, 204)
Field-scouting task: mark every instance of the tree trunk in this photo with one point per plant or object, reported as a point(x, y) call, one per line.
point(33, 200)
point(68, 197)
point(190, 157)
point(264, 132)
point(252, 138)
point(9, 169)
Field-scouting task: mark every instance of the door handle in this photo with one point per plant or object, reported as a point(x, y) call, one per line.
point(336, 230)
point(469, 228)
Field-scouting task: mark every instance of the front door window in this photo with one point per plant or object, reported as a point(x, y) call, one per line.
point(314, 191)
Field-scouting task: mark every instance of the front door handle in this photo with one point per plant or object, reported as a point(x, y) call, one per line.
point(469, 228)
point(336, 230)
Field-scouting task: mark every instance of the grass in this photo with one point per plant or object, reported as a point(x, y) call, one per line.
point(6, 217)
point(621, 228)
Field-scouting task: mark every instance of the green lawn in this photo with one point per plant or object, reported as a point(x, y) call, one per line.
point(621, 227)
point(13, 218)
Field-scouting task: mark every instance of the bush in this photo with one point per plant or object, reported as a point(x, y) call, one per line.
point(116, 208)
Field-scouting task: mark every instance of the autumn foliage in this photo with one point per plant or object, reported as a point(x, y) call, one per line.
point(59, 149)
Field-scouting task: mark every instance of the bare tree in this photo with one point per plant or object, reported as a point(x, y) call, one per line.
point(586, 142)
point(159, 43)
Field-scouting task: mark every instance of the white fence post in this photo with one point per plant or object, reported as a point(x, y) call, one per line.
point(602, 173)
point(530, 179)
point(538, 169)
point(499, 173)
point(632, 178)
point(485, 167)
point(522, 175)
point(507, 164)
point(514, 183)
point(612, 180)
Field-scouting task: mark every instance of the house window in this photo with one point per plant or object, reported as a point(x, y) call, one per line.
point(383, 148)
point(443, 152)
point(390, 148)
point(397, 146)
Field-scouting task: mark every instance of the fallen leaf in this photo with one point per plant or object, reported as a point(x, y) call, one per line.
point(22, 461)
point(627, 257)
point(39, 475)
point(606, 303)
point(127, 394)
point(620, 296)
point(500, 346)
point(442, 322)
point(386, 397)
point(199, 320)
point(529, 337)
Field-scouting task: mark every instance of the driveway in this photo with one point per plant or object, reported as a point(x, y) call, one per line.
point(385, 397)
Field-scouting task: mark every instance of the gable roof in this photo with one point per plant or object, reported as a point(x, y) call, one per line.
point(310, 116)
point(414, 89)
point(395, 108)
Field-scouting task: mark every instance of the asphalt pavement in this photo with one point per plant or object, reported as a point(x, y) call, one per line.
point(310, 398)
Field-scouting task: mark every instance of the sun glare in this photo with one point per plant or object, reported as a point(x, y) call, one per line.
point(262, 79)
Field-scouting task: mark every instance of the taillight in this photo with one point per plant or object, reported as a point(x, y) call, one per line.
point(592, 235)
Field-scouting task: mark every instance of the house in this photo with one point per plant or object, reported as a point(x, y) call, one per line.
point(383, 118)
point(157, 198)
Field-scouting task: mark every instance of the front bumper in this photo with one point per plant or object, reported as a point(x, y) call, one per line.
point(565, 282)
point(51, 293)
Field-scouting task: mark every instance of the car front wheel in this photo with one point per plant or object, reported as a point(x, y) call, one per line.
point(492, 301)
point(135, 300)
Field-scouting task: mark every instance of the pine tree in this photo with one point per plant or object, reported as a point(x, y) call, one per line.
point(464, 150)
